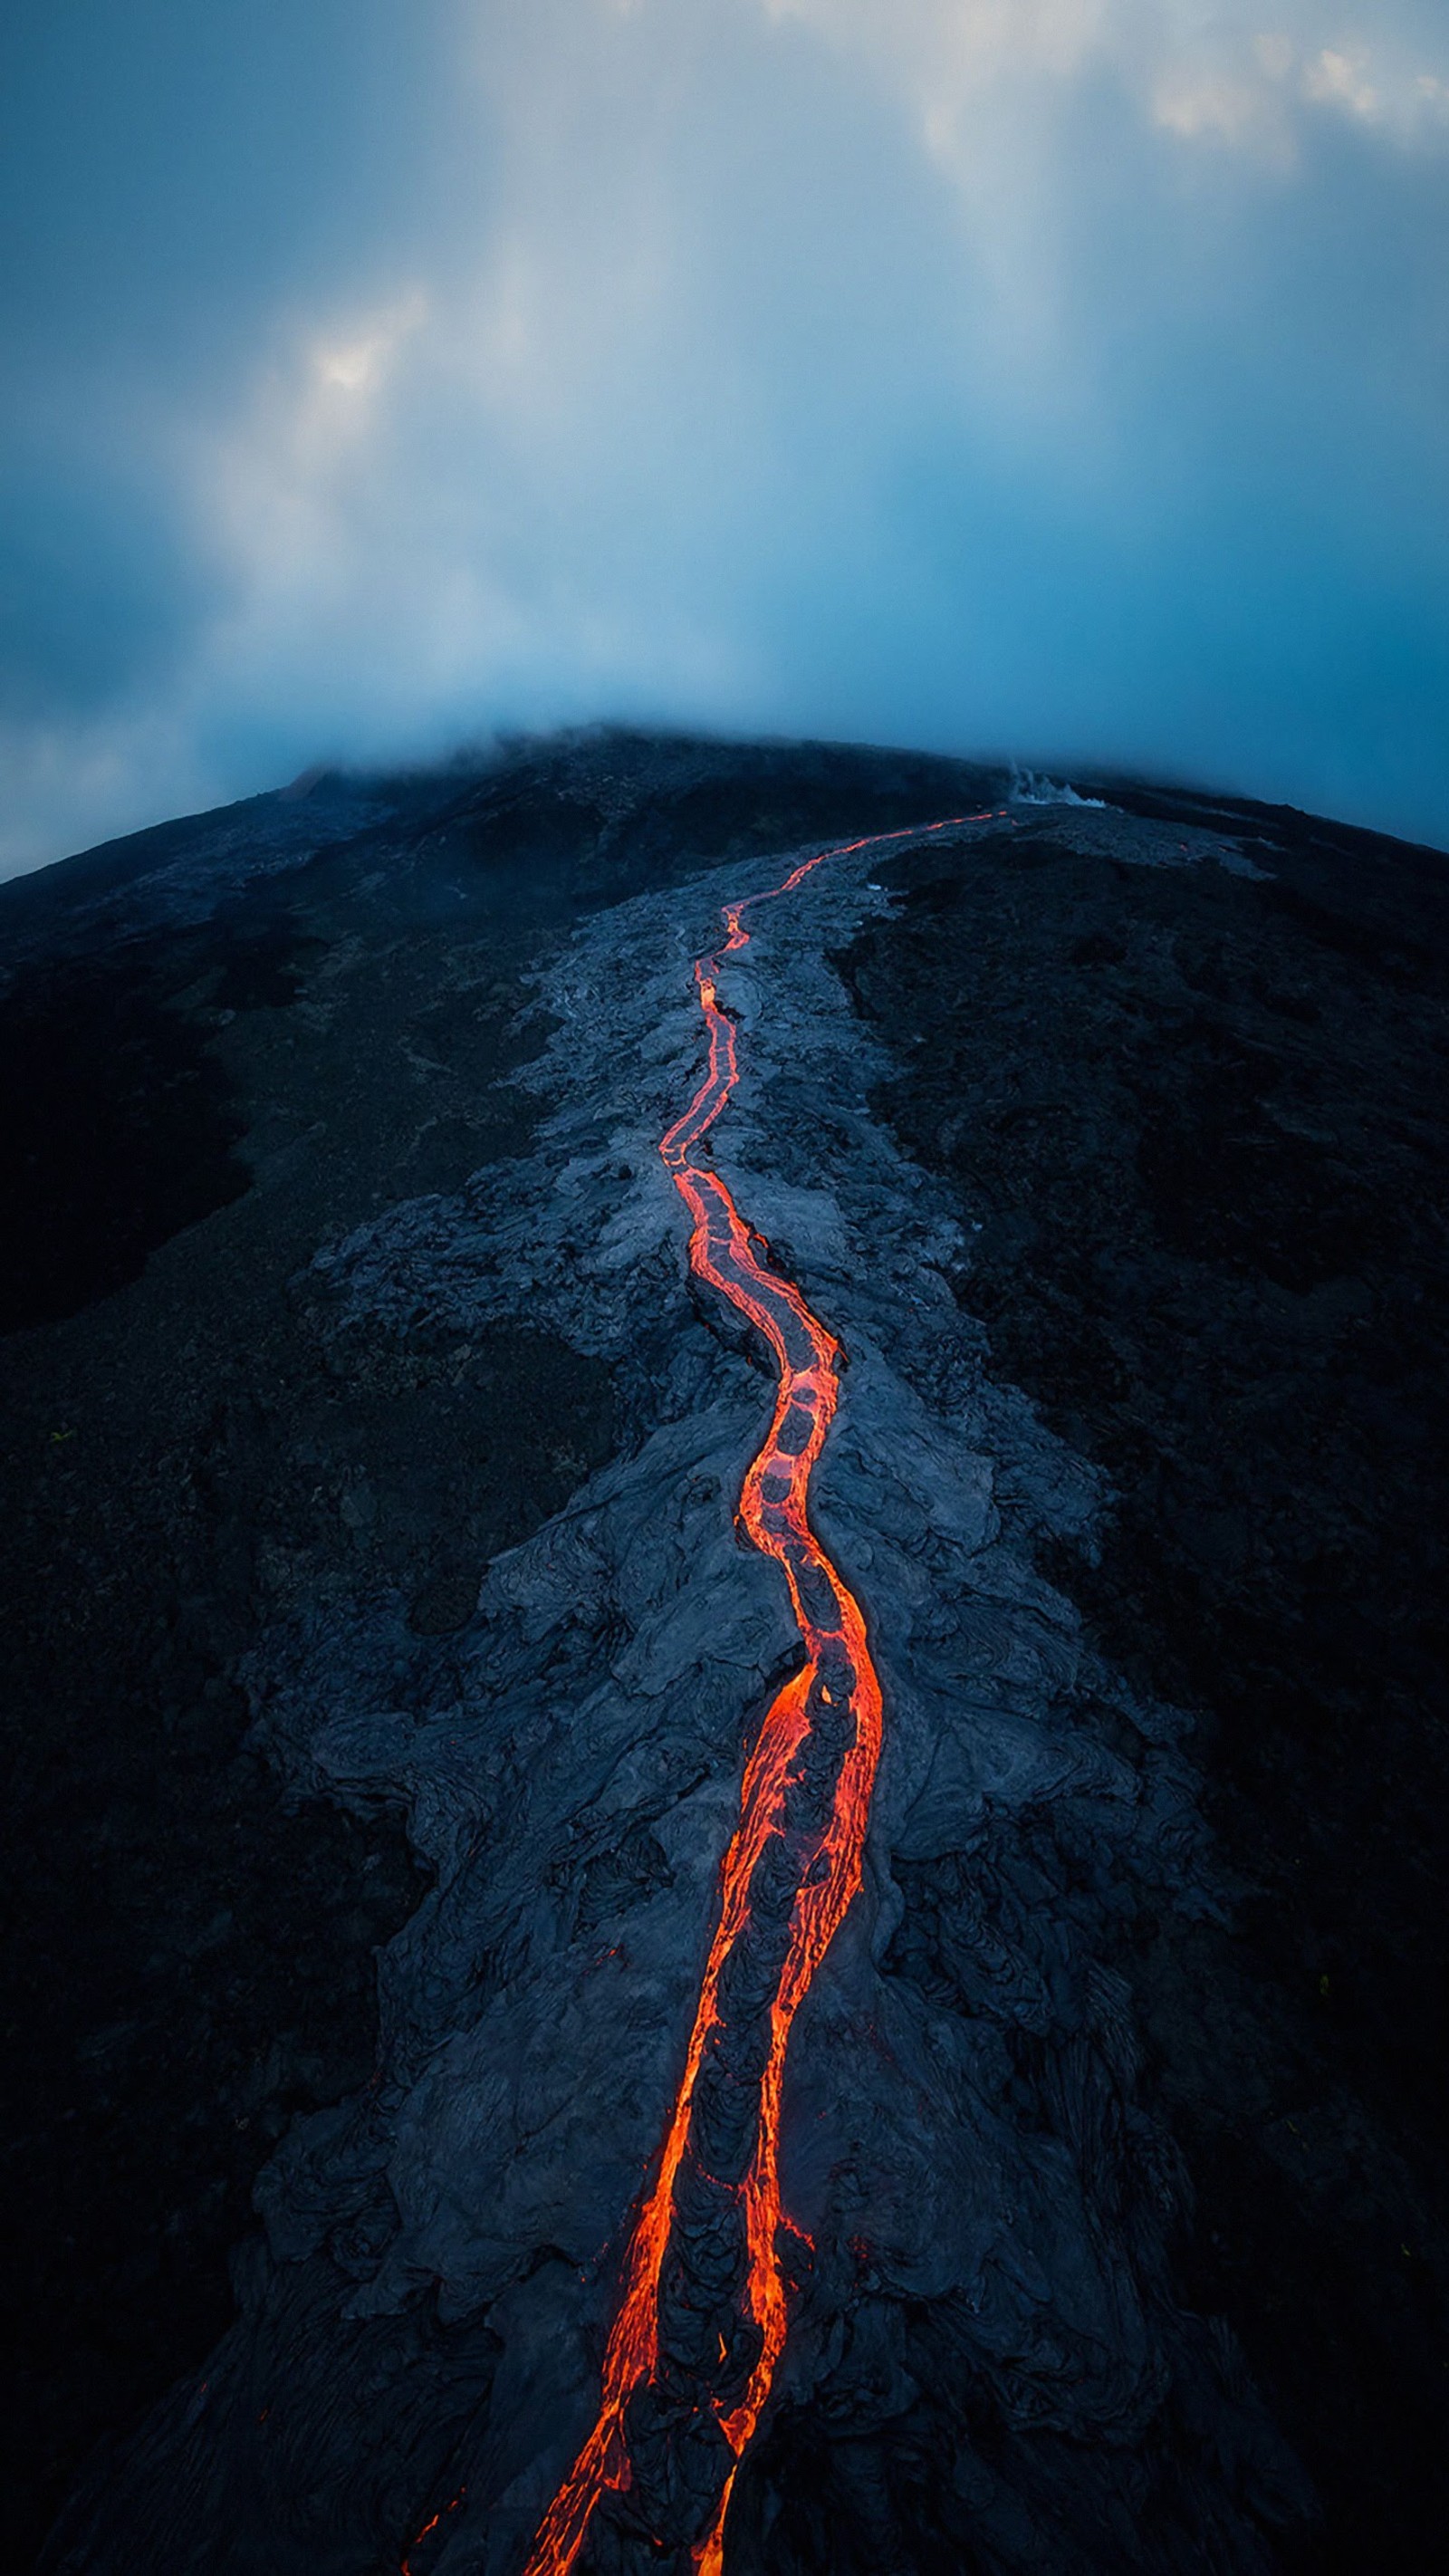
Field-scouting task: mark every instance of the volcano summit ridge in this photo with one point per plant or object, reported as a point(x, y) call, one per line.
point(989, 2358)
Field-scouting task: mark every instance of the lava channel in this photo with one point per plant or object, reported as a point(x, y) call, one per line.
point(701, 2323)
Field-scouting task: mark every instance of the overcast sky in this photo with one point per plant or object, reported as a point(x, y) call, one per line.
point(1059, 377)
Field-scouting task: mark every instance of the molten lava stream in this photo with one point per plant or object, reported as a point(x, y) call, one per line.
point(701, 2324)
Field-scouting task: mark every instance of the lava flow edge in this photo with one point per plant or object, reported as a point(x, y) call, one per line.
point(804, 1804)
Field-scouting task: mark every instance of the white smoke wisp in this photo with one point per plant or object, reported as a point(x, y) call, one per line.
point(1030, 787)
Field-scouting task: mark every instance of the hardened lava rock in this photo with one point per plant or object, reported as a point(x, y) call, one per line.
point(988, 2364)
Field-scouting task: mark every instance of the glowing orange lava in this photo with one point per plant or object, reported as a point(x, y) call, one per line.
point(433, 2523)
point(701, 2324)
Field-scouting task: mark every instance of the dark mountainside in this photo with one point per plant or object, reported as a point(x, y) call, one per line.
point(381, 1654)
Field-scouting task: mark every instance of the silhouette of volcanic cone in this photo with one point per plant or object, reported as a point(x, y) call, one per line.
point(733, 1858)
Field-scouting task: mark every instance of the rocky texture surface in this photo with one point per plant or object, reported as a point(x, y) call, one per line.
point(995, 2361)
point(1210, 1191)
point(222, 1042)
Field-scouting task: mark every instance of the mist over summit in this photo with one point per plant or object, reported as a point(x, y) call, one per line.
point(1065, 380)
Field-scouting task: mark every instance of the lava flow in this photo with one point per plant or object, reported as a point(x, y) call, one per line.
point(693, 2348)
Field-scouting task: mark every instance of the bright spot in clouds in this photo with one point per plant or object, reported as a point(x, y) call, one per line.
point(1059, 377)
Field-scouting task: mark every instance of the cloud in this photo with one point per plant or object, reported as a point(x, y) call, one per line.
point(1202, 72)
point(1065, 377)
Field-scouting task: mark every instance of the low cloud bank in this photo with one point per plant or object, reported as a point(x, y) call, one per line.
point(1064, 379)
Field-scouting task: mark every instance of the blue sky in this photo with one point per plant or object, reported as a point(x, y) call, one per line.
point(1067, 378)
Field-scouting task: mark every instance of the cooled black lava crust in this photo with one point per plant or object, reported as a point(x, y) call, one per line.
point(1196, 1125)
point(1202, 1125)
point(222, 1043)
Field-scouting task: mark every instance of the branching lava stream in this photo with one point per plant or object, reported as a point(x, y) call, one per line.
point(700, 2327)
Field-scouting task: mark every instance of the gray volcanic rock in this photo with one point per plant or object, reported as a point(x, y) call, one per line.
point(569, 1767)
point(991, 2362)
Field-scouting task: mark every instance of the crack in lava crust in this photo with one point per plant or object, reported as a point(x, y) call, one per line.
point(700, 2328)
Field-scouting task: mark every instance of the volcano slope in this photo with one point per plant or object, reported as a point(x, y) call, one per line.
point(400, 1484)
